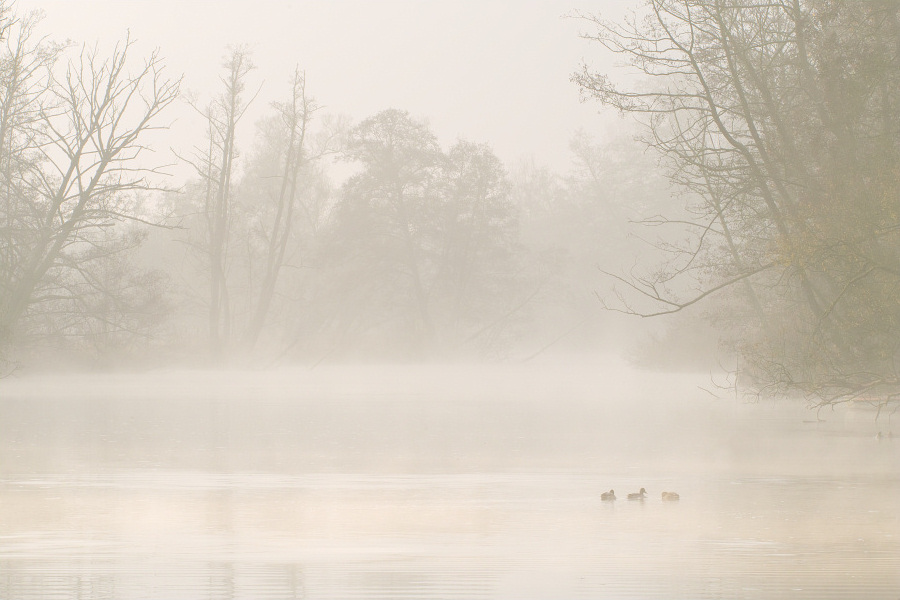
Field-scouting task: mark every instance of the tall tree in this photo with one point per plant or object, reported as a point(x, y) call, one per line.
point(215, 165)
point(72, 160)
point(422, 242)
point(283, 189)
point(476, 279)
point(390, 208)
point(781, 118)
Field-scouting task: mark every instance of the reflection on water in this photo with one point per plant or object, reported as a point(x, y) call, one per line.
point(424, 483)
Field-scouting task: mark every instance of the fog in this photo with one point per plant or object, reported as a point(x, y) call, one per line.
point(437, 481)
point(449, 299)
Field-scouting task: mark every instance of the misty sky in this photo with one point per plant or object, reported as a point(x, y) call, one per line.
point(495, 71)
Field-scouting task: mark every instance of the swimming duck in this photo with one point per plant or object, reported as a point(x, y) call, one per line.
point(610, 495)
point(670, 496)
point(638, 496)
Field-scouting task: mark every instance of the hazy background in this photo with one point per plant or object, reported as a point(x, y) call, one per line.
point(358, 299)
point(569, 180)
point(485, 71)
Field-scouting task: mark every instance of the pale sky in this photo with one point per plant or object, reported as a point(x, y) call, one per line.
point(487, 70)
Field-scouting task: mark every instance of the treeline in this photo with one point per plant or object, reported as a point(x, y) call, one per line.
point(314, 238)
point(777, 215)
point(782, 120)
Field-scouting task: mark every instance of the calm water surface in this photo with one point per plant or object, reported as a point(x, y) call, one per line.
point(419, 482)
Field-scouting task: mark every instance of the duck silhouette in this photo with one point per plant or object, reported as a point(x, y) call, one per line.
point(670, 496)
point(638, 496)
point(608, 496)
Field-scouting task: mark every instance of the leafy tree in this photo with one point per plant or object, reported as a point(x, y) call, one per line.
point(476, 282)
point(387, 224)
point(781, 119)
point(422, 241)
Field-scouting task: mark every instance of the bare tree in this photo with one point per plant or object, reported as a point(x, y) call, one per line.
point(215, 165)
point(73, 164)
point(284, 190)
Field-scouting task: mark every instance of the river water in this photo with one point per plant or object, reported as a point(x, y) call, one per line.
point(427, 482)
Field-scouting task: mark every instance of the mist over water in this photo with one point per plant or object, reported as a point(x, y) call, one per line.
point(341, 300)
point(438, 481)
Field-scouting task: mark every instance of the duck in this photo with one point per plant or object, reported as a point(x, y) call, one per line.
point(670, 496)
point(638, 496)
point(610, 495)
